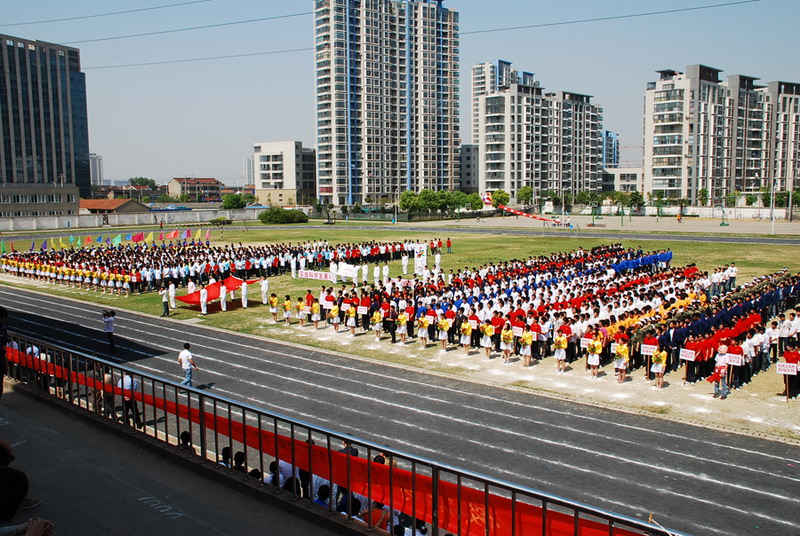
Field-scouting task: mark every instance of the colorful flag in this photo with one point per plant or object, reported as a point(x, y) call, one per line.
point(138, 237)
point(161, 235)
point(61, 242)
point(117, 240)
point(11, 243)
point(187, 233)
point(172, 234)
point(208, 234)
point(2, 246)
point(149, 237)
point(71, 239)
point(197, 235)
point(99, 239)
point(128, 237)
point(88, 240)
point(33, 244)
point(44, 245)
point(108, 240)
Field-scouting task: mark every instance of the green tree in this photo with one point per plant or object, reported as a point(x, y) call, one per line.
point(525, 195)
point(732, 197)
point(750, 199)
point(183, 198)
point(500, 197)
point(782, 199)
point(444, 199)
point(474, 201)
point(702, 196)
point(622, 198)
point(458, 200)
point(142, 181)
point(146, 199)
point(233, 201)
point(428, 200)
point(637, 199)
point(583, 198)
point(409, 201)
point(250, 198)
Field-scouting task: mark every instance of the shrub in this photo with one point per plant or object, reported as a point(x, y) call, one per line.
point(220, 221)
point(279, 215)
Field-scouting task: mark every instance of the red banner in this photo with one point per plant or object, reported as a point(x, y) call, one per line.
point(520, 213)
point(231, 283)
point(370, 479)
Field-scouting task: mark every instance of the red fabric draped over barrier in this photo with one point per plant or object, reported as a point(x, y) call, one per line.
point(520, 213)
point(366, 478)
point(231, 283)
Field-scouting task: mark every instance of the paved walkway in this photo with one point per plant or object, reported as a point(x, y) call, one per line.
point(97, 483)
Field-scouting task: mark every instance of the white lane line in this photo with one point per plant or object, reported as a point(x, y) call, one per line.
point(612, 457)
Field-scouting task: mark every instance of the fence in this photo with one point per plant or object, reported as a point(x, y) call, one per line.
point(407, 487)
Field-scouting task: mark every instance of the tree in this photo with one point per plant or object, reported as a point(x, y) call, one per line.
point(525, 195)
point(409, 201)
point(622, 198)
point(583, 198)
point(281, 215)
point(500, 197)
point(702, 196)
point(428, 200)
point(732, 197)
point(183, 198)
point(444, 199)
point(458, 200)
point(251, 198)
point(142, 181)
point(146, 199)
point(233, 201)
point(636, 199)
point(781, 199)
point(474, 201)
point(750, 199)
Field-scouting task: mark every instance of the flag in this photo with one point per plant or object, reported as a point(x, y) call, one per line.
point(61, 242)
point(44, 245)
point(161, 236)
point(187, 233)
point(487, 198)
point(33, 244)
point(71, 239)
point(88, 240)
point(117, 240)
point(11, 243)
point(208, 234)
point(172, 234)
point(100, 239)
point(138, 237)
point(2, 246)
point(128, 237)
point(717, 376)
point(197, 235)
point(149, 237)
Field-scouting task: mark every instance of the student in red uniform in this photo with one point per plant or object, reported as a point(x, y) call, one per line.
point(792, 355)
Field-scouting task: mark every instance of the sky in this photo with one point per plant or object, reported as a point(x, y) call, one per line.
point(201, 118)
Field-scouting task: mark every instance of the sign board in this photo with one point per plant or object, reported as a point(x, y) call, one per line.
point(687, 355)
point(362, 310)
point(310, 274)
point(517, 331)
point(346, 270)
point(613, 348)
point(306, 309)
point(735, 359)
point(345, 306)
point(790, 369)
point(473, 323)
point(648, 349)
point(585, 343)
point(327, 305)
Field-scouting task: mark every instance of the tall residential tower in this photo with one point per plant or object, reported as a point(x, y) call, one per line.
point(387, 98)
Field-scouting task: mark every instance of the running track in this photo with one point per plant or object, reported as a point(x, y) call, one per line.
point(692, 479)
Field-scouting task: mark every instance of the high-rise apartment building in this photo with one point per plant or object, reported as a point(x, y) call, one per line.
point(703, 133)
point(529, 137)
point(44, 133)
point(609, 145)
point(248, 170)
point(285, 173)
point(387, 98)
point(96, 169)
point(488, 78)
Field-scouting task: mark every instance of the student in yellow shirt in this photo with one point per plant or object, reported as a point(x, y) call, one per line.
point(300, 307)
point(594, 349)
point(315, 313)
point(560, 343)
point(622, 355)
point(273, 306)
point(333, 316)
point(659, 365)
point(487, 329)
point(443, 325)
point(351, 319)
point(466, 336)
point(507, 342)
point(402, 326)
point(287, 309)
point(422, 330)
point(377, 323)
point(525, 343)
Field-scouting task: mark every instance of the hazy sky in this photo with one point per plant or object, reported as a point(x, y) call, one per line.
point(202, 118)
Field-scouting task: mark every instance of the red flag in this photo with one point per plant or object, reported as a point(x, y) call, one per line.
point(138, 237)
point(88, 240)
point(161, 235)
point(12, 246)
point(208, 234)
point(717, 376)
point(172, 234)
point(187, 234)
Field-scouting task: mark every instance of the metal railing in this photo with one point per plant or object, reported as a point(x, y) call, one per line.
point(283, 455)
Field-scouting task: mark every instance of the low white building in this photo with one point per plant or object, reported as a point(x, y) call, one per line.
point(285, 173)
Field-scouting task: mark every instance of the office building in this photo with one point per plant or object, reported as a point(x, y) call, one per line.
point(703, 133)
point(96, 169)
point(44, 133)
point(285, 173)
point(530, 137)
point(387, 98)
